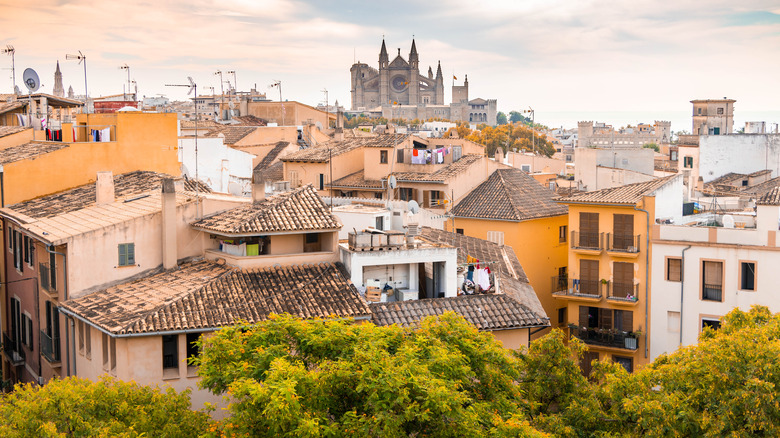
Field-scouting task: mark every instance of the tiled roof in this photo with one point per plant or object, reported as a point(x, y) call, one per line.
point(203, 295)
point(272, 155)
point(442, 174)
point(320, 153)
point(232, 134)
point(204, 125)
point(357, 180)
point(192, 185)
point(762, 188)
point(10, 106)
point(627, 194)
point(29, 150)
point(298, 210)
point(503, 256)
point(383, 140)
point(250, 121)
point(772, 197)
point(10, 130)
point(509, 194)
point(486, 312)
point(125, 185)
point(274, 172)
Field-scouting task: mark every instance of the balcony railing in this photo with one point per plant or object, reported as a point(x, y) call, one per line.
point(13, 351)
point(623, 243)
point(563, 286)
point(713, 292)
point(627, 292)
point(50, 347)
point(605, 337)
point(46, 283)
point(586, 240)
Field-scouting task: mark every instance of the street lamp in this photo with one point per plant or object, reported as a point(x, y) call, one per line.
point(80, 57)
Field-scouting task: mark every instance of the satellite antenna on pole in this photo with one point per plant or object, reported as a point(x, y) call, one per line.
point(392, 182)
point(414, 207)
point(31, 80)
point(193, 87)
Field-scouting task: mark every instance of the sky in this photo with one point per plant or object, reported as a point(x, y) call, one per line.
point(567, 60)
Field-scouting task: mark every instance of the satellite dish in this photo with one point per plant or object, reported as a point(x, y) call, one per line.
point(318, 125)
point(392, 182)
point(728, 221)
point(414, 207)
point(235, 189)
point(30, 79)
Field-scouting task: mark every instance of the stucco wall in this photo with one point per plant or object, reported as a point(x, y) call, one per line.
point(740, 153)
point(218, 165)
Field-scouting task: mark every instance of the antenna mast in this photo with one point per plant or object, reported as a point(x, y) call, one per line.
point(193, 87)
point(9, 49)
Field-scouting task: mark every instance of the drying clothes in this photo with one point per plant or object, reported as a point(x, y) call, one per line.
point(21, 120)
point(439, 157)
point(105, 135)
point(74, 135)
point(418, 157)
point(94, 135)
point(470, 274)
point(236, 250)
point(482, 279)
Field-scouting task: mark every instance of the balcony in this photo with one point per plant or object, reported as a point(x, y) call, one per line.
point(13, 351)
point(47, 285)
point(623, 293)
point(622, 245)
point(609, 338)
point(712, 292)
point(50, 348)
point(582, 290)
point(587, 242)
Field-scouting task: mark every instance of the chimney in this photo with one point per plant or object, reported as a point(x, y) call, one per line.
point(104, 188)
point(499, 155)
point(168, 223)
point(258, 187)
point(339, 118)
point(338, 134)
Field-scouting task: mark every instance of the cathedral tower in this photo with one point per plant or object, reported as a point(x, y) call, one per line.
point(58, 91)
point(384, 75)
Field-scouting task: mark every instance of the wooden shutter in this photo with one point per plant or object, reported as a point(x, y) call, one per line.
point(586, 361)
point(713, 273)
point(400, 155)
point(628, 320)
point(584, 316)
point(426, 198)
point(624, 279)
point(589, 276)
point(589, 230)
point(605, 318)
point(623, 231)
point(674, 269)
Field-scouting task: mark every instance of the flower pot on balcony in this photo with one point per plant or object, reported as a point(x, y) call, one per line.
point(630, 343)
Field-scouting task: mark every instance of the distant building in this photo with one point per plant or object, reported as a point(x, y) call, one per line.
point(58, 90)
point(713, 116)
point(603, 135)
point(398, 90)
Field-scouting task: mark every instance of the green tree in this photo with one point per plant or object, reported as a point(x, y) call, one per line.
point(652, 146)
point(107, 408)
point(517, 117)
point(501, 118)
point(288, 377)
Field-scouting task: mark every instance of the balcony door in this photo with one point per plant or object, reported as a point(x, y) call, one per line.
point(623, 231)
point(624, 279)
point(589, 230)
point(589, 277)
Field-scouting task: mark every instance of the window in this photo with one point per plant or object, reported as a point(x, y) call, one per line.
point(105, 345)
point(322, 181)
point(562, 316)
point(170, 352)
point(80, 325)
point(29, 250)
point(382, 157)
point(17, 250)
point(53, 327)
point(699, 110)
point(623, 232)
point(10, 239)
point(405, 194)
point(562, 230)
point(399, 156)
point(688, 162)
point(747, 275)
point(626, 362)
point(711, 323)
point(380, 223)
point(459, 230)
point(673, 322)
point(712, 281)
point(312, 243)
point(720, 111)
point(496, 237)
point(112, 343)
point(53, 271)
point(16, 324)
point(673, 269)
point(126, 254)
point(88, 341)
point(589, 230)
point(294, 181)
point(525, 168)
point(27, 331)
point(192, 347)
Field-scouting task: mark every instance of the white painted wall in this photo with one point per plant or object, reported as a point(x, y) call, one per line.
point(354, 219)
point(218, 165)
point(739, 153)
point(669, 200)
point(587, 159)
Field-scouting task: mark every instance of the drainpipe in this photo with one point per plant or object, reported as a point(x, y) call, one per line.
point(682, 283)
point(50, 250)
point(647, 275)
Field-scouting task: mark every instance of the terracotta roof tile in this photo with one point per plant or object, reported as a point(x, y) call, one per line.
point(272, 155)
point(10, 106)
point(486, 312)
point(203, 295)
point(772, 197)
point(509, 194)
point(627, 194)
point(29, 150)
point(10, 130)
point(357, 180)
point(442, 174)
point(274, 172)
point(232, 134)
point(250, 121)
point(320, 153)
point(298, 210)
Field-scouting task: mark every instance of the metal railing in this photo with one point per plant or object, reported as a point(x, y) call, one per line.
point(586, 240)
point(623, 243)
point(622, 291)
point(45, 274)
point(50, 347)
point(605, 338)
point(563, 286)
point(13, 350)
point(713, 292)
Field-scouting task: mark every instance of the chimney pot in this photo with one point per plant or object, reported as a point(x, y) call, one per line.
point(104, 188)
point(258, 187)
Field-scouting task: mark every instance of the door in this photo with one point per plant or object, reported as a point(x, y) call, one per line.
point(623, 284)
point(589, 277)
point(623, 231)
point(589, 230)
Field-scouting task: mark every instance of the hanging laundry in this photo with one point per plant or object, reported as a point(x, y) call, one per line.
point(418, 157)
point(105, 135)
point(483, 279)
point(439, 157)
point(74, 135)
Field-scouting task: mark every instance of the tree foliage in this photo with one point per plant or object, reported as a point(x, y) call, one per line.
point(501, 118)
point(288, 377)
point(108, 408)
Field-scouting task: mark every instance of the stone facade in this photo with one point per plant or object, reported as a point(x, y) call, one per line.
point(713, 116)
point(398, 90)
point(603, 135)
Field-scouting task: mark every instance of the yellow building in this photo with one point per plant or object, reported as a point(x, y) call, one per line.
point(605, 297)
point(511, 208)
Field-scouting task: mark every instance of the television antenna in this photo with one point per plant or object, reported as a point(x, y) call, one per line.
point(31, 81)
point(193, 87)
point(80, 57)
point(278, 83)
point(222, 90)
point(235, 84)
point(9, 49)
point(126, 67)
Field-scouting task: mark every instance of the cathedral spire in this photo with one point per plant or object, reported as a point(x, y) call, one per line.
point(414, 49)
point(58, 90)
point(414, 61)
point(438, 71)
point(383, 53)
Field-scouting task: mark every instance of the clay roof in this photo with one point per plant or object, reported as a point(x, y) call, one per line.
point(10, 130)
point(486, 312)
point(272, 155)
point(191, 184)
point(509, 194)
point(10, 106)
point(125, 185)
point(627, 194)
point(358, 180)
point(762, 188)
point(274, 172)
point(772, 197)
point(202, 295)
point(300, 210)
point(250, 121)
point(29, 150)
point(322, 152)
point(441, 175)
point(232, 134)
point(205, 125)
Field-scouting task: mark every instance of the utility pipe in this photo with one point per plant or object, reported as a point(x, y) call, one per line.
point(682, 283)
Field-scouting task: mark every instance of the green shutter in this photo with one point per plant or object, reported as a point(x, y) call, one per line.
point(131, 253)
point(122, 255)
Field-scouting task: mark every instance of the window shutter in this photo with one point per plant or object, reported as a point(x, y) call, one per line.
point(400, 155)
point(583, 316)
point(122, 255)
point(29, 333)
point(628, 320)
point(131, 253)
point(605, 318)
point(673, 269)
